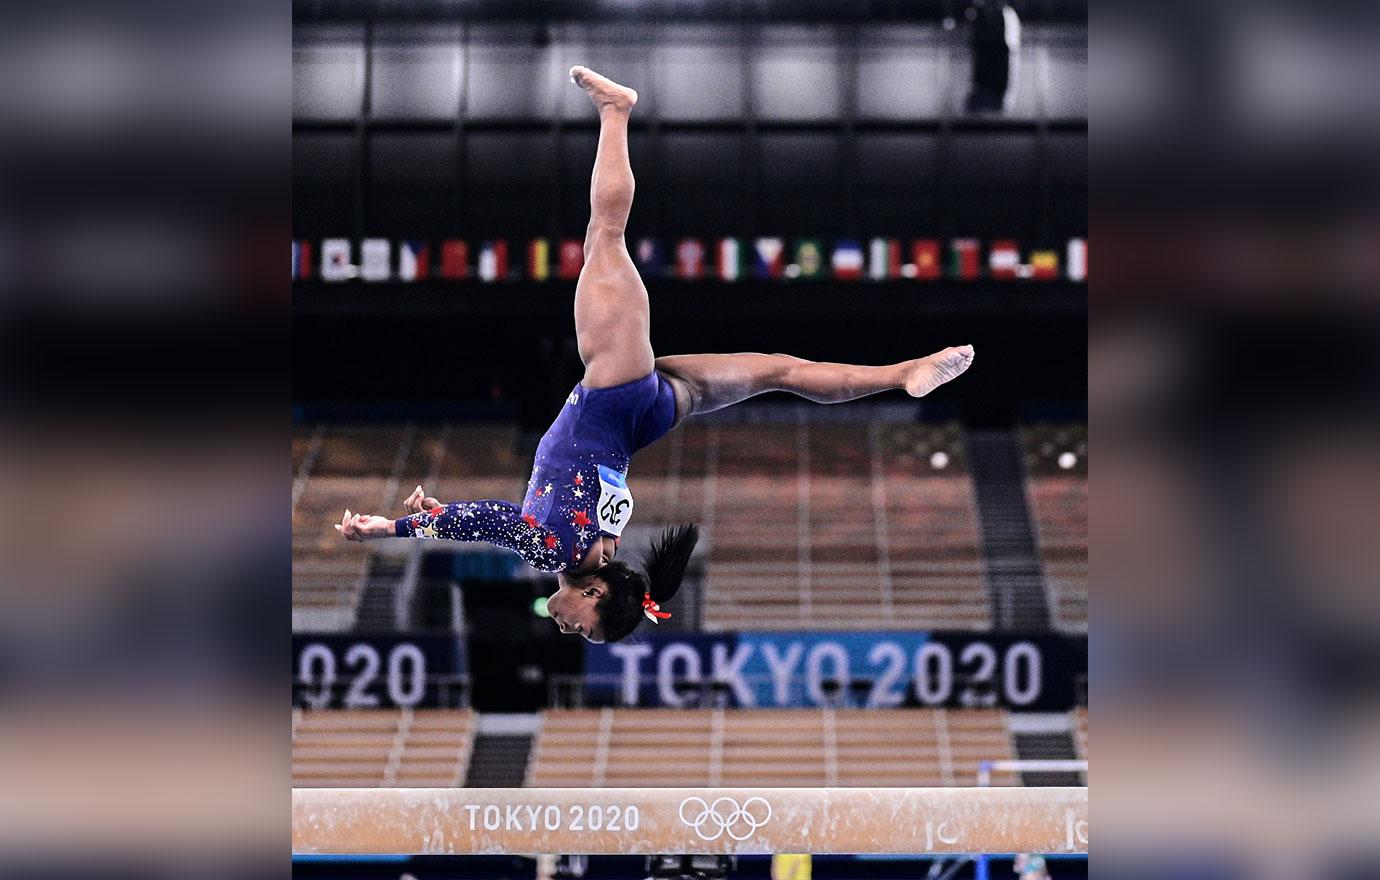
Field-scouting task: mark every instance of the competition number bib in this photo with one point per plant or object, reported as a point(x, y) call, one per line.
point(615, 501)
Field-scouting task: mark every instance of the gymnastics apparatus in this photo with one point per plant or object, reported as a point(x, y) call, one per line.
point(642, 821)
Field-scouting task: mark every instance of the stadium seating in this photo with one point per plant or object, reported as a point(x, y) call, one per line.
point(359, 748)
point(808, 747)
point(662, 748)
point(807, 524)
point(371, 469)
point(1059, 507)
point(340, 466)
point(843, 526)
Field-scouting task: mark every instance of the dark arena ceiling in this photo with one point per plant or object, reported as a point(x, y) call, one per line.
point(1061, 11)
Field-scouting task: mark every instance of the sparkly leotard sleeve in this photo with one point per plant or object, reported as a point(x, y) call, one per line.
point(493, 522)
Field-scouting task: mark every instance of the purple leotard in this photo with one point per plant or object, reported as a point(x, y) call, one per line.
point(578, 489)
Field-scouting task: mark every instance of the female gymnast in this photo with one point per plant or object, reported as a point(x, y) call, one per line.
point(577, 501)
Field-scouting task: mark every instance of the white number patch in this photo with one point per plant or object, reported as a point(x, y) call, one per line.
point(615, 501)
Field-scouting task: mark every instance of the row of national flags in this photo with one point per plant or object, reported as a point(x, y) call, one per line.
point(692, 259)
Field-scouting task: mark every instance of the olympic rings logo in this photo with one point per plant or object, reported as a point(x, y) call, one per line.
point(725, 816)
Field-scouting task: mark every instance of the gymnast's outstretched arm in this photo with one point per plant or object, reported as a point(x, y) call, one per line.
point(494, 522)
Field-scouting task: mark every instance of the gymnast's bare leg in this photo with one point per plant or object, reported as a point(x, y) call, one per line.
point(613, 317)
point(714, 381)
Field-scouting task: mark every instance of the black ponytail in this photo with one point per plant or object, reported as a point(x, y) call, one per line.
point(620, 611)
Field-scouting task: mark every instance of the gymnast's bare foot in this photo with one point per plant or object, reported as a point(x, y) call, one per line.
point(604, 92)
point(928, 373)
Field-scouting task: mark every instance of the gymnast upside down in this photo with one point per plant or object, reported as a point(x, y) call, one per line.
point(577, 501)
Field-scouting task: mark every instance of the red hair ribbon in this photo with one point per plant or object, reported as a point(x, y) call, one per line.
point(653, 610)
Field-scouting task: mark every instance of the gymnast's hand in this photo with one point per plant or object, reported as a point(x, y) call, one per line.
point(419, 501)
point(363, 526)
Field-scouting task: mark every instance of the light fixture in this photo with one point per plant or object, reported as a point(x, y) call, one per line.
point(994, 38)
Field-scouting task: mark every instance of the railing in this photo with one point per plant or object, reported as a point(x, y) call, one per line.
point(569, 692)
point(984, 775)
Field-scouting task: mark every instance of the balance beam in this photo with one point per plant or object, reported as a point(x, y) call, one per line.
point(653, 821)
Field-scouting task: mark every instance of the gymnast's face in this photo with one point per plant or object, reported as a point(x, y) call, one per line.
point(572, 606)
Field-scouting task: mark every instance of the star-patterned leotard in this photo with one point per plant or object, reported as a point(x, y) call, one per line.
point(578, 489)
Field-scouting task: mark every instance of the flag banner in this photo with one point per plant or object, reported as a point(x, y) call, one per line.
point(375, 259)
point(876, 259)
point(809, 258)
point(723, 259)
point(500, 249)
point(335, 260)
point(847, 259)
point(730, 262)
point(1044, 265)
point(538, 259)
point(414, 260)
point(963, 259)
point(925, 257)
point(493, 261)
point(572, 259)
point(769, 257)
point(650, 258)
point(301, 260)
point(1078, 259)
point(884, 259)
point(455, 260)
point(689, 259)
point(893, 259)
point(488, 264)
point(1004, 260)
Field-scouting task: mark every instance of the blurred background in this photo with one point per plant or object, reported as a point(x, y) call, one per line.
point(146, 370)
point(888, 592)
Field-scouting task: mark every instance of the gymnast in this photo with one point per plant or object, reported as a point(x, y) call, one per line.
point(577, 501)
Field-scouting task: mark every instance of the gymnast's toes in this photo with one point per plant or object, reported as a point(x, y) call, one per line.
point(943, 366)
point(603, 91)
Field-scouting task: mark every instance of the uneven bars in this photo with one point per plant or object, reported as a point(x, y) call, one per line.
point(688, 820)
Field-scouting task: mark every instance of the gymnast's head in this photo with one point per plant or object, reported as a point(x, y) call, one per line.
point(608, 601)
